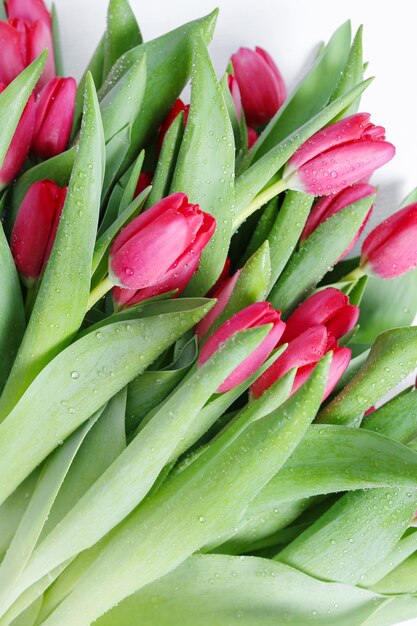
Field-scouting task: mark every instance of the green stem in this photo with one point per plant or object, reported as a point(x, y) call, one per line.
point(262, 198)
point(354, 275)
point(98, 292)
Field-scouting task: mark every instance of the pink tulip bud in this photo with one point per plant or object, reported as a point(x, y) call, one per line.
point(303, 352)
point(391, 248)
point(35, 228)
point(20, 144)
point(54, 116)
point(177, 108)
point(258, 314)
point(340, 362)
point(222, 295)
point(261, 85)
point(328, 307)
point(159, 250)
point(144, 180)
point(22, 42)
point(29, 10)
point(330, 205)
point(235, 93)
point(338, 156)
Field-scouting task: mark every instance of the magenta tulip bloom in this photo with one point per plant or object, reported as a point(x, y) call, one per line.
point(303, 352)
point(338, 156)
point(54, 117)
point(330, 308)
point(20, 144)
point(35, 228)
point(255, 315)
point(330, 205)
point(159, 250)
point(222, 295)
point(29, 10)
point(391, 248)
point(22, 42)
point(261, 85)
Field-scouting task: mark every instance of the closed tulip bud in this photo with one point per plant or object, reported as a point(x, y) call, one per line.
point(54, 117)
point(261, 85)
point(20, 144)
point(340, 362)
point(144, 180)
point(258, 314)
point(29, 10)
point(22, 42)
point(222, 295)
point(159, 250)
point(328, 307)
point(330, 205)
point(391, 248)
point(338, 156)
point(177, 108)
point(35, 228)
point(303, 353)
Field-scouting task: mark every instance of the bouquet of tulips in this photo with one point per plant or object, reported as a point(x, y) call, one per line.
point(195, 364)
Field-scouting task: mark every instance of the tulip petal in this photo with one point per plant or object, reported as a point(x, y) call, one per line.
point(20, 145)
point(54, 116)
point(340, 362)
point(29, 10)
point(13, 53)
point(223, 296)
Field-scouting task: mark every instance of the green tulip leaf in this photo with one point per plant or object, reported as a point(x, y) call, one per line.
point(167, 161)
point(352, 74)
point(95, 68)
point(116, 150)
point(12, 510)
point(122, 34)
point(205, 166)
point(59, 65)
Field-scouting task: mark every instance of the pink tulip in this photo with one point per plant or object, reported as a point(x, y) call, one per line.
point(54, 117)
point(255, 315)
point(225, 274)
point(330, 205)
point(159, 250)
point(391, 248)
point(328, 307)
point(261, 85)
point(177, 108)
point(20, 144)
point(144, 180)
point(21, 43)
point(29, 10)
point(35, 228)
point(235, 93)
point(222, 295)
point(303, 352)
point(340, 362)
point(338, 156)
point(252, 137)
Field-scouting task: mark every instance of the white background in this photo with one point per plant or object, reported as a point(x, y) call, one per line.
point(291, 32)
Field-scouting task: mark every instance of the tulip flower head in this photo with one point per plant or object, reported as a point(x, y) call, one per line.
point(159, 251)
point(20, 144)
point(328, 206)
point(22, 42)
point(329, 307)
point(338, 156)
point(222, 296)
point(35, 228)
point(391, 248)
point(29, 10)
point(54, 117)
point(261, 85)
point(177, 108)
point(258, 314)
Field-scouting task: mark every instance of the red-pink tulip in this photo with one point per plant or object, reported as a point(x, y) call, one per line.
point(328, 307)
point(330, 205)
point(222, 295)
point(258, 314)
point(22, 42)
point(20, 144)
point(338, 156)
point(35, 228)
point(224, 275)
point(159, 250)
point(177, 108)
point(235, 93)
point(340, 362)
point(261, 85)
point(144, 180)
point(54, 116)
point(391, 248)
point(303, 352)
point(29, 10)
